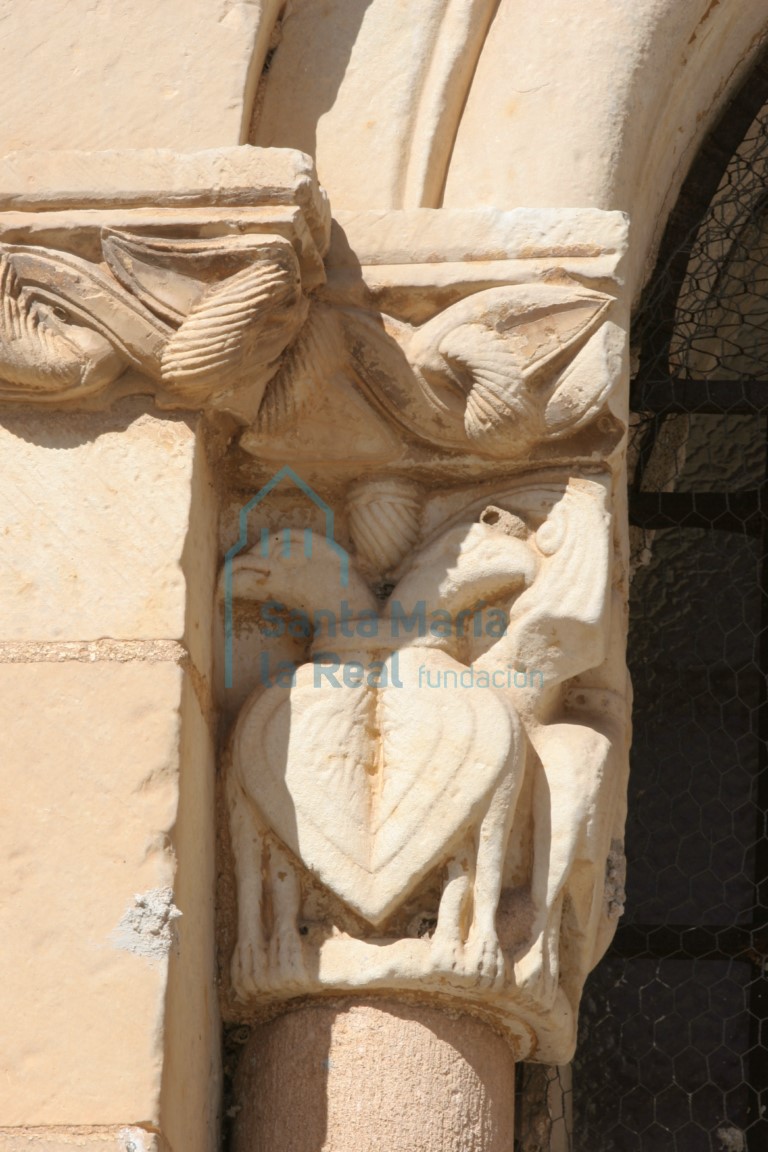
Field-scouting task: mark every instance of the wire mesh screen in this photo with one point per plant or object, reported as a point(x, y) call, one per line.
point(673, 1053)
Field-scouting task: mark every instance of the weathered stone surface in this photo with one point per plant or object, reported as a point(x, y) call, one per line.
point(551, 105)
point(191, 1077)
point(417, 802)
point(90, 757)
point(425, 49)
point(458, 382)
point(375, 1075)
point(249, 187)
point(97, 278)
point(394, 751)
point(93, 1139)
point(177, 75)
point(35, 181)
point(93, 522)
point(421, 236)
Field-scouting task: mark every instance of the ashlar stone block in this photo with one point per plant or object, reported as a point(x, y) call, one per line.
point(94, 513)
point(88, 918)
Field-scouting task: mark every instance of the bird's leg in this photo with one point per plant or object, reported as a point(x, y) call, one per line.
point(249, 960)
point(447, 943)
point(286, 960)
point(483, 949)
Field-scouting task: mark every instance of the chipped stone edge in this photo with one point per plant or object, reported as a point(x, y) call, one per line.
point(427, 235)
point(91, 651)
point(147, 927)
point(135, 1137)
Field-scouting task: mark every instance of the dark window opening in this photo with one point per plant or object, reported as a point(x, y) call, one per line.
point(673, 1053)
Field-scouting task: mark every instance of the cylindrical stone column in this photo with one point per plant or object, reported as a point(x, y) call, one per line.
point(375, 1076)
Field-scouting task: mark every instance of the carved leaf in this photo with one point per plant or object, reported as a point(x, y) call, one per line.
point(355, 783)
point(170, 275)
point(384, 519)
point(480, 374)
point(584, 387)
point(316, 354)
point(488, 365)
point(236, 333)
point(41, 354)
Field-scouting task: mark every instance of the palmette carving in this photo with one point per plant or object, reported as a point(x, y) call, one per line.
point(494, 375)
point(384, 516)
point(238, 329)
point(225, 323)
point(204, 319)
point(502, 349)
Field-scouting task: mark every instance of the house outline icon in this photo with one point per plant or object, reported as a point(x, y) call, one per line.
point(285, 473)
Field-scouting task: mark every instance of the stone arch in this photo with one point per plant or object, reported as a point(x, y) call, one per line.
point(617, 98)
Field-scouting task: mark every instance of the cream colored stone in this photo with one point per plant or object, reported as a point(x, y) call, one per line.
point(422, 789)
point(191, 1083)
point(204, 310)
point(123, 1139)
point(95, 513)
point(376, 1075)
point(615, 123)
point(551, 106)
point(411, 394)
point(181, 74)
point(37, 181)
point(425, 52)
point(413, 262)
point(467, 824)
point(90, 799)
point(80, 229)
point(198, 563)
point(519, 371)
point(204, 334)
point(556, 104)
point(420, 235)
point(405, 749)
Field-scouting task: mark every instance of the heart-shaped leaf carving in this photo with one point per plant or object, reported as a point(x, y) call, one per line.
point(371, 786)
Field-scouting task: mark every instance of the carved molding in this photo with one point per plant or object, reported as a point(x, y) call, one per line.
point(189, 270)
point(203, 319)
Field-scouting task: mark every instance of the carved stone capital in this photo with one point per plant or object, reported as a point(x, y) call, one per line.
point(422, 606)
point(422, 627)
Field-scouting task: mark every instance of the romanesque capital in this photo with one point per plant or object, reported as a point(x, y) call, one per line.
point(422, 627)
point(421, 600)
